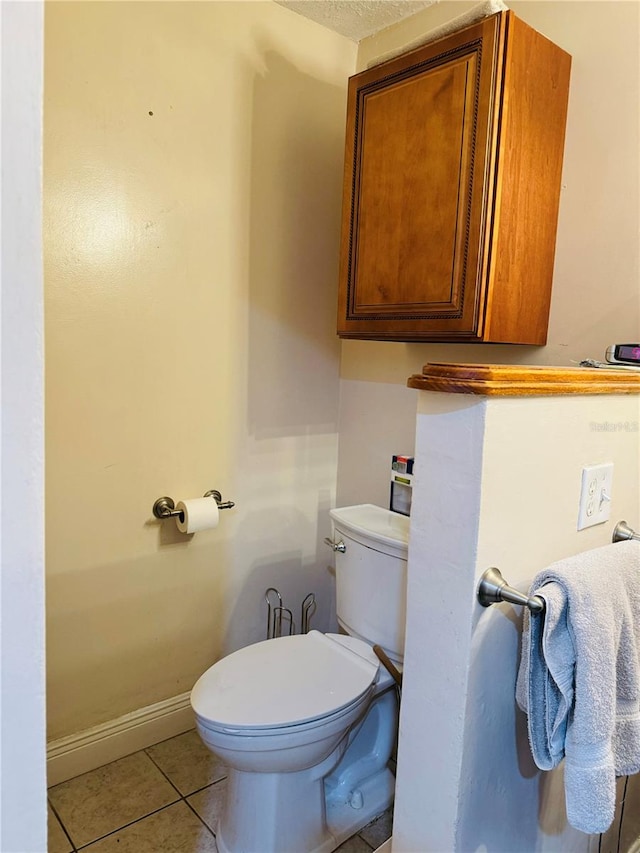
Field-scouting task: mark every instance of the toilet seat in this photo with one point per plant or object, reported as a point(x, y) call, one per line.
point(285, 682)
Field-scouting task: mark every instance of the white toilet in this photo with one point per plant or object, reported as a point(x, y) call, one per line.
point(307, 723)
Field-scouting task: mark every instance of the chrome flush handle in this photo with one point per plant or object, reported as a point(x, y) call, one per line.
point(335, 546)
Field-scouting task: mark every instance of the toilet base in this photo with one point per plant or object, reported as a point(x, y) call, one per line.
point(343, 820)
point(277, 812)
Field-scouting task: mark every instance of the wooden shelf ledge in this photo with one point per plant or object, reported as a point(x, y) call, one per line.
point(516, 380)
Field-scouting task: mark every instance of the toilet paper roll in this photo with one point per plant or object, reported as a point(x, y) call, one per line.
point(197, 514)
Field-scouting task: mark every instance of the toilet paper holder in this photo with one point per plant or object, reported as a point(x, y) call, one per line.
point(165, 507)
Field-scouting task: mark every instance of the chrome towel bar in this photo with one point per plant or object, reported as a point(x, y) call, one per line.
point(494, 588)
point(623, 531)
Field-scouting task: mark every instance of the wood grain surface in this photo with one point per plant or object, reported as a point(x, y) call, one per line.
point(453, 161)
point(514, 380)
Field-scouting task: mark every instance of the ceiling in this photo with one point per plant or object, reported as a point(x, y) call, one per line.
point(356, 19)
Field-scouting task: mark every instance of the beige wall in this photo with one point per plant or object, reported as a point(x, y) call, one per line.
point(596, 294)
point(191, 266)
point(193, 159)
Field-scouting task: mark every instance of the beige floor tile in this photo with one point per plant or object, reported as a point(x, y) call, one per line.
point(175, 829)
point(187, 762)
point(105, 799)
point(377, 832)
point(354, 845)
point(57, 841)
point(208, 803)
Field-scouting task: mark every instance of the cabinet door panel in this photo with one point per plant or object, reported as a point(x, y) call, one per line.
point(417, 190)
point(411, 188)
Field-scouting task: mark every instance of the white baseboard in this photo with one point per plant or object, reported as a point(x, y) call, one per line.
point(78, 753)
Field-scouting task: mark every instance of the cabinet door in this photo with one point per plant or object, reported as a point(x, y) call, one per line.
point(418, 182)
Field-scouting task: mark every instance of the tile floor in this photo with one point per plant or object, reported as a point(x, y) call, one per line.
point(164, 799)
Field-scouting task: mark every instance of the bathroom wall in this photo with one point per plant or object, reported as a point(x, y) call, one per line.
point(192, 186)
point(595, 297)
point(22, 662)
point(498, 485)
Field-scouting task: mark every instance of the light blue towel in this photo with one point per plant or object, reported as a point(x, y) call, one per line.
point(579, 678)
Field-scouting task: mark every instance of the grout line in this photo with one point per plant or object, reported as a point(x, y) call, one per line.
point(100, 766)
point(204, 787)
point(172, 737)
point(127, 825)
point(184, 796)
point(64, 828)
point(181, 798)
point(201, 819)
point(155, 764)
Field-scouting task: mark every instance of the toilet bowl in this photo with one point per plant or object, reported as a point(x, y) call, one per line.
point(307, 724)
point(279, 714)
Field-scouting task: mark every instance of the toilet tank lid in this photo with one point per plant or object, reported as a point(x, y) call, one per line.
point(374, 522)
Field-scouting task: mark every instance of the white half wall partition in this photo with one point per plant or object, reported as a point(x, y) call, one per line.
point(497, 484)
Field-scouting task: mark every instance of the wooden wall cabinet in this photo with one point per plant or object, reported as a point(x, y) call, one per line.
point(452, 184)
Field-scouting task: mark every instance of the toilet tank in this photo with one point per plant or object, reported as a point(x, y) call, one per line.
point(371, 575)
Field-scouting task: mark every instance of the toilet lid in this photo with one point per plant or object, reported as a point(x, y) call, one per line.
point(285, 681)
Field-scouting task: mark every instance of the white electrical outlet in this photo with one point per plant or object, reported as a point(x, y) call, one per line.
point(595, 495)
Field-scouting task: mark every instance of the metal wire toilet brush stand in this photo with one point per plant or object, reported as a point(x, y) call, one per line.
point(280, 617)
